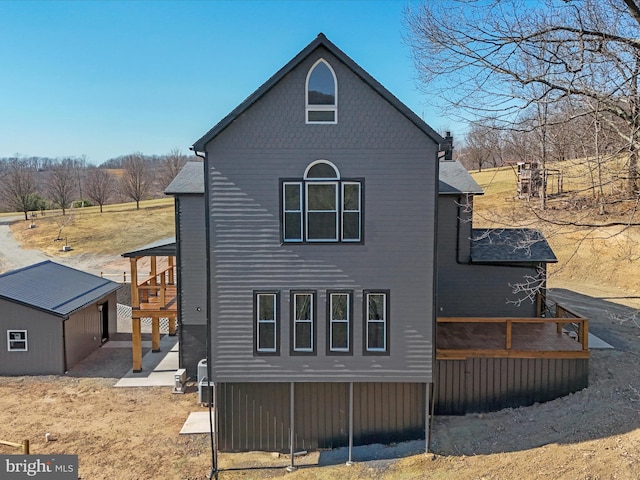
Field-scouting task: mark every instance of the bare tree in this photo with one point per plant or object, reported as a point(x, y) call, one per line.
point(61, 184)
point(18, 187)
point(170, 165)
point(508, 58)
point(99, 186)
point(137, 178)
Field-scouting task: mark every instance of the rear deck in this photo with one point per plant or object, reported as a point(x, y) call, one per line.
point(486, 364)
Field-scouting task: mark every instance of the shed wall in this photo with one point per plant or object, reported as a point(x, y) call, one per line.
point(45, 353)
point(83, 334)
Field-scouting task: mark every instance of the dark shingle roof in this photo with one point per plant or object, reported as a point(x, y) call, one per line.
point(189, 180)
point(165, 247)
point(510, 245)
point(455, 180)
point(320, 41)
point(54, 288)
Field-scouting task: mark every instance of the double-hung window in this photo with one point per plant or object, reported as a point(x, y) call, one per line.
point(340, 326)
point(303, 325)
point(17, 340)
point(321, 207)
point(376, 322)
point(265, 307)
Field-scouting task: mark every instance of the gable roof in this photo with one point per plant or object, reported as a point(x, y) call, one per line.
point(190, 179)
point(54, 288)
point(454, 179)
point(510, 245)
point(320, 41)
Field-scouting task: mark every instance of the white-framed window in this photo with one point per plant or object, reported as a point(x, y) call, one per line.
point(265, 306)
point(321, 94)
point(376, 322)
point(303, 322)
point(322, 207)
point(17, 341)
point(339, 324)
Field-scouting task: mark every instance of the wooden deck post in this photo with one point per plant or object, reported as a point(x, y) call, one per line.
point(152, 275)
point(584, 335)
point(170, 261)
point(172, 326)
point(136, 339)
point(135, 297)
point(155, 334)
point(509, 332)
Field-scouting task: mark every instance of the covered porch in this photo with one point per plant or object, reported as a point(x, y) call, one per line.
point(153, 293)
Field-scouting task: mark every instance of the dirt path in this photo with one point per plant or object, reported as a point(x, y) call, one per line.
point(12, 255)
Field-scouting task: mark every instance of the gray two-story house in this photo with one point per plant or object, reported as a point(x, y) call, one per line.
point(332, 240)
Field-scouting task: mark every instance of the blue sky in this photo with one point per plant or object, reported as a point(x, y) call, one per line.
point(107, 78)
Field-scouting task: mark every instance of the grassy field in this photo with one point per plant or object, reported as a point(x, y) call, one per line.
point(120, 228)
point(593, 257)
point(587, 256)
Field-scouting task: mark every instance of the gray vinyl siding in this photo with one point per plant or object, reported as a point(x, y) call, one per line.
point(490, 384)
point(191, 255)
point(473, 290)
point(372, 141)
point(193, 347)
point(256, 416)
point(45, 353)
point(82, 334)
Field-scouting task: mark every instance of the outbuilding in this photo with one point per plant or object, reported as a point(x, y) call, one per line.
point(52, 317)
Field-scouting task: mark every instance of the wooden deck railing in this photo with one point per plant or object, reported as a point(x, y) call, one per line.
point(154, 289)
point(531, 342)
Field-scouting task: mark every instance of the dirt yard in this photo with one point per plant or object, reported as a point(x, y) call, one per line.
point(132, 433)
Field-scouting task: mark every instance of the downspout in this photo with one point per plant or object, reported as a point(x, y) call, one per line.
point(212, 404)
point(434, 320)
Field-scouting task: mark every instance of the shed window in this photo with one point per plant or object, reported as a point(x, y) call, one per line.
point(321, 94)
point(17, 340)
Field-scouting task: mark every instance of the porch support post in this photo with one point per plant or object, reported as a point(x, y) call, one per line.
point(292, 400)
point(136, 341)
point(172, 326)
point(350, 461)
point(155, 334)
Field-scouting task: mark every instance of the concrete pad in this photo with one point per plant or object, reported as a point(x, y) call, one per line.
point(158, 368)
point(197, 422)
point(596, 343)
point(125, 344)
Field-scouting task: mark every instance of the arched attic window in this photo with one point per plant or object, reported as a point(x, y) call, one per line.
point(322, 206)
point(321, 94)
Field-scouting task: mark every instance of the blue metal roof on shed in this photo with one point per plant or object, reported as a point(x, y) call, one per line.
point(54, 288)
point(510, 245)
